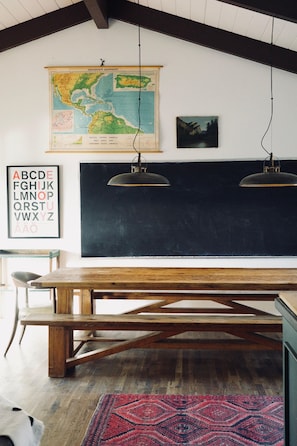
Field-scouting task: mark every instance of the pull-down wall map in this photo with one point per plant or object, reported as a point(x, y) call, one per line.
point(203, 213)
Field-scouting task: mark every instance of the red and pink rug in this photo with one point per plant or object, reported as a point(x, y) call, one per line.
point(154, 420)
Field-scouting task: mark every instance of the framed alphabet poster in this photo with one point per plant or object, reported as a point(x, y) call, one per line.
point(33, 201)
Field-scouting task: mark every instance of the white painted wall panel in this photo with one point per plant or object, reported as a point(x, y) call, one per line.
point(193, 81)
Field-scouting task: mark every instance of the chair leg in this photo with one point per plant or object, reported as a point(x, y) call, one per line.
point(22, 334)
point(27, 306)
point(15, 324)
point(54, 297)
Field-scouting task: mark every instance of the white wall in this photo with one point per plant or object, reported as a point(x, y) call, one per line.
point(193, 81)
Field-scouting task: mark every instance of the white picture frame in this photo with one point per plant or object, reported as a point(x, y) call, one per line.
point(33, 201)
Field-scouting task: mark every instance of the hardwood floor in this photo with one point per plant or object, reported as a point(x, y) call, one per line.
point(66, 405)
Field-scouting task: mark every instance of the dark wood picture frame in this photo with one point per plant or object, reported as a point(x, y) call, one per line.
point(197, 132)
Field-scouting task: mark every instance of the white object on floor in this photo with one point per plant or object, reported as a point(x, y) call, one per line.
point(19, 426)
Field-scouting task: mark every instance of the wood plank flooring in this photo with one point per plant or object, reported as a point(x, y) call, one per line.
point(66, 405)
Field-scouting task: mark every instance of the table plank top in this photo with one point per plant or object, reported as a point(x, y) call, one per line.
point(171, 278)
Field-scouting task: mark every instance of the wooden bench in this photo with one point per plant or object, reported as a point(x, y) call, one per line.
point(249, 332)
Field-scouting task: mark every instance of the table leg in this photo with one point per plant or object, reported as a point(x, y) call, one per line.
point(60, 339)
point(64, 301)
point(58, 351)
point(85, 302)
point(1, 272)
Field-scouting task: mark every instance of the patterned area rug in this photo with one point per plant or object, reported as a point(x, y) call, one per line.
point(154, 420)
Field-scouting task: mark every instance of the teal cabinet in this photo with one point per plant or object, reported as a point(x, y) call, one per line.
point(287, 310)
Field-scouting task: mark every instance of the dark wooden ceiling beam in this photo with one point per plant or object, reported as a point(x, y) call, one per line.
point(282, 9)
point(204, 35)
point(98, 12)
point(43, 26)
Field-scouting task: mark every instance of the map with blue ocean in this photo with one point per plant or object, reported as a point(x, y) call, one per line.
point(104, 109)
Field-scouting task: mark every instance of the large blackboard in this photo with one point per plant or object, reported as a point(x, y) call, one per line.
point(203, 213)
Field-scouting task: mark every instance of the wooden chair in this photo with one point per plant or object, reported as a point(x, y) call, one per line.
point(23, 279)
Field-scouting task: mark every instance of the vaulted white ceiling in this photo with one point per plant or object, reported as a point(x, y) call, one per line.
point(246, 20)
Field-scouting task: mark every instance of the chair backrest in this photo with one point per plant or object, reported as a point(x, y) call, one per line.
point(23, 278)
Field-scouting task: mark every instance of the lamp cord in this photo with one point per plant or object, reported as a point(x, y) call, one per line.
point(139, 97)
point(271, 96)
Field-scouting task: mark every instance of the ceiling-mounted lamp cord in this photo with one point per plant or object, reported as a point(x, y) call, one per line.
point(271, 98)
point(139, 97)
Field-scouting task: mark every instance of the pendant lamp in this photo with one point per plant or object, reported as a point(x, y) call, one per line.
point(271, 176)
point(138, 175)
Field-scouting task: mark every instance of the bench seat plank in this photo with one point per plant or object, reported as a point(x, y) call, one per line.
point(248, 332)
point(145, 321)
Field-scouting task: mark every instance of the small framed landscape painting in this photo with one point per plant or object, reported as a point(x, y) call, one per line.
point(197, 132)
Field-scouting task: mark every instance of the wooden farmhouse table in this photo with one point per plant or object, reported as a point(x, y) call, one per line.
point(235, 291)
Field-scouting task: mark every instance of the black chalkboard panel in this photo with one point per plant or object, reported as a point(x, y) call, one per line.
point(203, 213)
